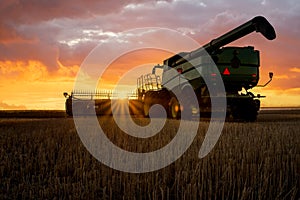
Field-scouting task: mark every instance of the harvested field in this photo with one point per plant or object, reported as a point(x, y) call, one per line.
point(43, 158)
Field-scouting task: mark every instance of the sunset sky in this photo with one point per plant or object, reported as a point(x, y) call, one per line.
point(44, 42)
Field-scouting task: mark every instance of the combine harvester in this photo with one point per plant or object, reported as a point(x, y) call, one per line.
point(238, 67)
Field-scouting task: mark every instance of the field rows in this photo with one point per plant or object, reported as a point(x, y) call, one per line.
point(44, 158)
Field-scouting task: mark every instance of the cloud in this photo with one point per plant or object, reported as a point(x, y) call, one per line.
point(33, 85)
point(33, 11)
point(6, 106)
point(31, 30)
point(278, 97)
point(58, 35)
point(295, 69)
point(284, 76)
point(35, 71)
point(68, 30)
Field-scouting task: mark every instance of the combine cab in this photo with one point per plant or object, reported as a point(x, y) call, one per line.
point(238, 67)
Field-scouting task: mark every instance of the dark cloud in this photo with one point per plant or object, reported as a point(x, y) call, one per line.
point(64, 32)
point(33, 29)
point(32, 11)
point(74, 56)
point(51, 30)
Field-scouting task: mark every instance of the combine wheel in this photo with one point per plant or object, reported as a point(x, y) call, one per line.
point(80, 108)
point(245, 111)
point(69, 107)
point(251, 112)
point(174, 108)
point(146, 109)
point(155, 97)
point(146, 104)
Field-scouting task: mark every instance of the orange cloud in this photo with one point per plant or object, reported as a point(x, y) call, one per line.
point(6, 106)
point(130, 61)
point(39, 58)
point(30, 85)
point(295, 69)
point(279, 97)
point(284, 76)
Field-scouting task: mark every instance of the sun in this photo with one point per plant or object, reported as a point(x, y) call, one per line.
point(122, 95)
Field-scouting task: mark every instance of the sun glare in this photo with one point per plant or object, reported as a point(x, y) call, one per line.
point(122, 95)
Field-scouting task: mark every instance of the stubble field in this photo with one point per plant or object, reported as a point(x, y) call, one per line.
point(42, 157)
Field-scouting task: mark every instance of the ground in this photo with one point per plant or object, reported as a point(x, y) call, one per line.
point(42, 157)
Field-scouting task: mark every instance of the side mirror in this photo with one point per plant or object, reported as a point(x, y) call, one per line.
point(270, 76)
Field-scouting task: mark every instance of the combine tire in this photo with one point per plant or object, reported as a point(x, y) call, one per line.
point(146, 109)
point(251, 113)
point(155, 97)
point(245, 111)
point(174, 108)
point(69, 107)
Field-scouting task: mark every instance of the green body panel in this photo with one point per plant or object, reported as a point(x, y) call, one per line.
point(247, 55)
point(245, 74)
